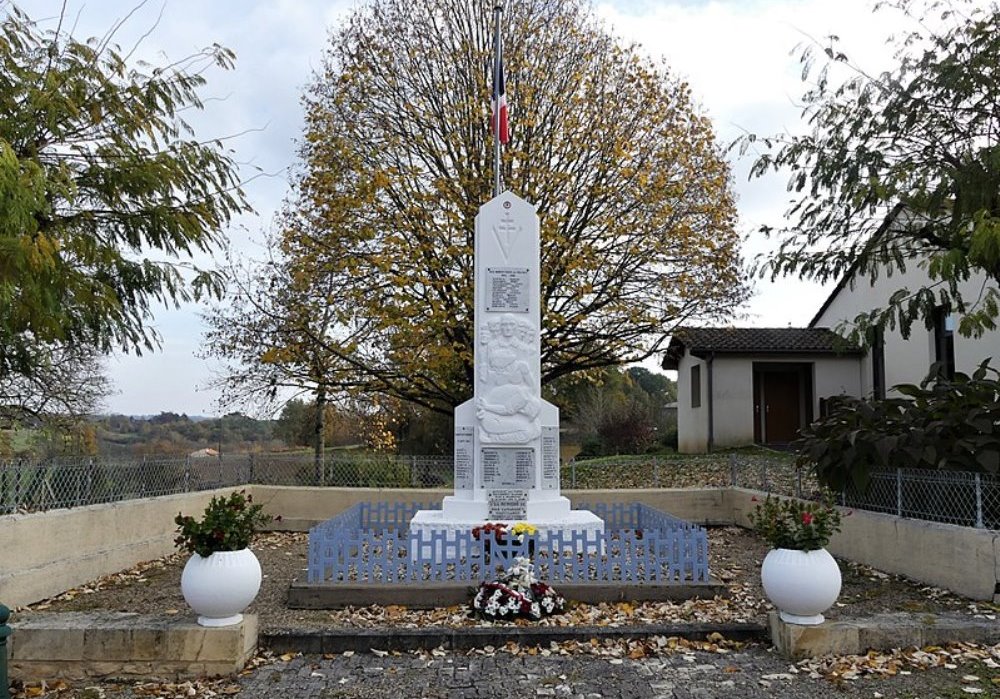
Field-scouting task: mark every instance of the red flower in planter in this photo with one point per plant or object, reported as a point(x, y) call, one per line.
point(789, 523)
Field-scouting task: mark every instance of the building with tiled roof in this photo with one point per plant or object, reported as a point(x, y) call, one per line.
point(741, 386)
point(703, 342)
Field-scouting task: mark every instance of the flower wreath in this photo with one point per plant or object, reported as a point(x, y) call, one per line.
point(517, 594)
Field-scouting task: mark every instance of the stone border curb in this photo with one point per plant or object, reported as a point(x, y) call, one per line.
point(338, 640)
point(95, 644)
point(879, 632)
point(303, 595)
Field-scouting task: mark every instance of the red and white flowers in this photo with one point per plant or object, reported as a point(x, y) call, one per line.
point(517, 593)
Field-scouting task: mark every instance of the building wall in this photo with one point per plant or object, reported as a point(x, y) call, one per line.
point(733, 402)
point(907, 361)
point(837, 376)
point(692, 423)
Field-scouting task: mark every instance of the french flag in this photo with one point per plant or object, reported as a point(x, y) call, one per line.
point(499, 119)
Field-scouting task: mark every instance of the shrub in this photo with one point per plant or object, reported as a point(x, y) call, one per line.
point(227, 525)
point(796, 524)
point(941, 424)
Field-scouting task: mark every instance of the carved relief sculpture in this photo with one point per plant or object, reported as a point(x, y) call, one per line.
point(508, 405)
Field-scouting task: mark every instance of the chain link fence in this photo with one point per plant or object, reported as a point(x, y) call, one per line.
point(953, 497)
point(32, 486)
point(967, 499)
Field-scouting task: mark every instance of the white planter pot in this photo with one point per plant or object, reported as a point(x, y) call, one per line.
point(801, 584)
point(220, 587)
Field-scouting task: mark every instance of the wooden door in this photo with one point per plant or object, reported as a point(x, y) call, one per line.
point(781, 392)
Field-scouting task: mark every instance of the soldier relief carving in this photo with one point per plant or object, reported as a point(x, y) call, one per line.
point(508, 406)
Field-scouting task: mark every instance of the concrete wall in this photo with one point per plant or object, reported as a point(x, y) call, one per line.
point(961, 559)
point(47, 553)
point(303, 508)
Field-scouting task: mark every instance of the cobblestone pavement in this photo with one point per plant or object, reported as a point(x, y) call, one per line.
point(752, 672)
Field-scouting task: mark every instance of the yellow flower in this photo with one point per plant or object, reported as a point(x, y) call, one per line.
point(522, 528)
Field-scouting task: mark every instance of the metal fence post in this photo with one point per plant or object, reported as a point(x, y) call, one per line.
point(798, 483)
point(5, 632)
point(572, 472)
point(91, 469)
point(899, 492)
point(81, 477)
point(187, 474)
point(979, 501)
point(18, 474)
point(656, 472)
point(251, 475)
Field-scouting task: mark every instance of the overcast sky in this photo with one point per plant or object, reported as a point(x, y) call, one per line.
point(736, 54)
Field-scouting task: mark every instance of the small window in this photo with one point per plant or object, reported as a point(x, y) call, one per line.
point(696, 386)
point(944, 340)
point(878, 364)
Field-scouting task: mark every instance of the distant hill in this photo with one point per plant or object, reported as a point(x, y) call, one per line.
point(178, 435)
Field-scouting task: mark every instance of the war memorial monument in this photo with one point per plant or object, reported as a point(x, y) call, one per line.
point(506, 435)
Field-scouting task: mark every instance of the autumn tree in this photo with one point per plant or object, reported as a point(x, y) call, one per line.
point(296, 425)
point(66, 384)
point(614, 411)
point(105, 194)
point(899, 169)
point(637, 216)
point(274, 334)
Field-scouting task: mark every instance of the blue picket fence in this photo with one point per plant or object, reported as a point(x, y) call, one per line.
point(372, 543)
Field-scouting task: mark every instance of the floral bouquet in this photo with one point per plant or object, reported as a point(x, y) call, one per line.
point(497, 531)
point(494, 530)
point(522, 529)
point(517, 593)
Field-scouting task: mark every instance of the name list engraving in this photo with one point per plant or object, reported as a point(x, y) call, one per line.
point(505, 467)
point(507, 289)
point(550, 458)
point(463, 457)
point(508, 504)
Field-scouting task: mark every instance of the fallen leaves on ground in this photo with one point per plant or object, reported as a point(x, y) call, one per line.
point(903, 661)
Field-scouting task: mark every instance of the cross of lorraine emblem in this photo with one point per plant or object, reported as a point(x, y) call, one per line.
point(506, 233)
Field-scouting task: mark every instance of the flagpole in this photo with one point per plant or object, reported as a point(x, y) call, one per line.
point(497, 11)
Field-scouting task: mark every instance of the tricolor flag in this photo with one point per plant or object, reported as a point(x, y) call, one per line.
point(499, 118)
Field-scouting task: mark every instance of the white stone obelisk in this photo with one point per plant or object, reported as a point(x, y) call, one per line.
point(507, 436)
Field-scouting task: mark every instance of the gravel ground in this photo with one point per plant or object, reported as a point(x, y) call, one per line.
point(649, 668)
point(671, 669)
point(735, 558)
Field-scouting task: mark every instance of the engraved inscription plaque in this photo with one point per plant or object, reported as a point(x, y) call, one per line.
point(463, 457)
point(507, 289)
point(550, 458)
point(506, 467)
point(508, 504)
